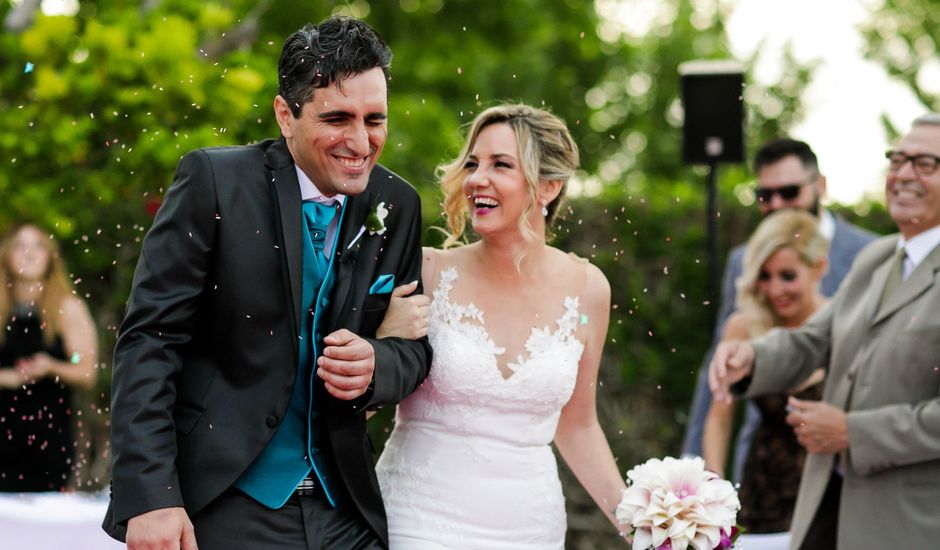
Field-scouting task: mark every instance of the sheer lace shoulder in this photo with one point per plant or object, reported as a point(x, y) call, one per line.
point(446, 312)
point(542, 338)
point(468, 319)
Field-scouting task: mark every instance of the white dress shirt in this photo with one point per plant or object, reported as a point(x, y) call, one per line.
point(918, 248)
point(310, 192)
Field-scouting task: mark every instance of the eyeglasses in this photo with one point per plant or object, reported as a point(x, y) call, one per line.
point(787, 192)
point(924, 164)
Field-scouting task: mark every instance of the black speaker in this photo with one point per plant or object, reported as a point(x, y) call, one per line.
point(712, 97)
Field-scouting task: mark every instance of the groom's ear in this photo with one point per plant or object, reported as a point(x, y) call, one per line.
point(284, 117)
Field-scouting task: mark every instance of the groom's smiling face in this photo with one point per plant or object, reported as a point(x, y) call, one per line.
point(340, 133)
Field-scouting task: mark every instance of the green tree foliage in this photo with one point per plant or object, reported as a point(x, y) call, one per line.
point(93, 132)
point(116, 94)
point(903, 36)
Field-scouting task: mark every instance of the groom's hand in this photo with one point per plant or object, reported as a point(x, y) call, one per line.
point(346, 365)
point(732, 361)
point(163, 529)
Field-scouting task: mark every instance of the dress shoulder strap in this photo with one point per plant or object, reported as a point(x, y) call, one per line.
point(573, 315)
point(445, 283)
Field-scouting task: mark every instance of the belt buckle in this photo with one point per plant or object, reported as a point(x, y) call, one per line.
point(306, 488)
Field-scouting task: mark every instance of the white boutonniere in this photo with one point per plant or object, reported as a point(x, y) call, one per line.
point(375, 221)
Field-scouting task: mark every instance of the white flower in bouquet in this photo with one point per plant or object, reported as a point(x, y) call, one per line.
point(674, 503)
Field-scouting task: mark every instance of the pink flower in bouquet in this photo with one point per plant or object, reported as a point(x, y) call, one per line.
point(727, 539)
point(674, 503)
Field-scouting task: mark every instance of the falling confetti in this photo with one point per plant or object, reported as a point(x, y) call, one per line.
point(28, 68)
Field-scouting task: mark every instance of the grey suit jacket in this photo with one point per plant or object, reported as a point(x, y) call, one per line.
point(884, 370)
point(847, 241)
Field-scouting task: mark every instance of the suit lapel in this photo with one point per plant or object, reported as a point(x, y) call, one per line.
point(283, 180)
point(921, 279)
point(356, 210)
point(878, 278)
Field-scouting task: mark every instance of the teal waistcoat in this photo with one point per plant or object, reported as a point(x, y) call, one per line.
point(293, 451)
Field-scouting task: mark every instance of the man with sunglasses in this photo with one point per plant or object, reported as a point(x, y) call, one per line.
point(787, 177)
point(873, 442)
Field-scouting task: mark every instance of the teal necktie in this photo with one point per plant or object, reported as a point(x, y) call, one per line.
point(318, 217)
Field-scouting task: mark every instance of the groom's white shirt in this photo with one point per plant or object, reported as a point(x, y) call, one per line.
point(310, 192)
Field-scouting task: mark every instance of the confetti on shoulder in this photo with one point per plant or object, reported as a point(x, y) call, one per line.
point(584, 319)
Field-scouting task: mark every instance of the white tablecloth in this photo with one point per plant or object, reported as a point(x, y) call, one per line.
point(54, 521)
point(770, 541)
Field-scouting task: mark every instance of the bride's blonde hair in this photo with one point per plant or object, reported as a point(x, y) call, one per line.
point(547, 151)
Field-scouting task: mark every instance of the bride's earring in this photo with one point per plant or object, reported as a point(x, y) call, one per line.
point(544, 210)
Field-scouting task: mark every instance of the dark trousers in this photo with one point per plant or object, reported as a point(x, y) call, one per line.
point(822, 532)
point(235, 521)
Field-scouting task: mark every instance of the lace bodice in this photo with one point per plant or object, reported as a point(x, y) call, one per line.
point(468, 464)
point(465, 390)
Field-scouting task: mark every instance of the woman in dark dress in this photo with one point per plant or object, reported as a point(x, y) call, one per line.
point(784, 262)
point(48, 345)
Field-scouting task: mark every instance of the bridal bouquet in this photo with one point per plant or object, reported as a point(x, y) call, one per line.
point(672, 504)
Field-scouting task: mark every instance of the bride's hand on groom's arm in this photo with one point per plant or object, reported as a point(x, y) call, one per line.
point(733, 360)
point(407, 314)
point(163, 529)
point(347, 365)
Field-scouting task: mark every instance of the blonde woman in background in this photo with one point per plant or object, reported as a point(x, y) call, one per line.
point(48, 346)
point(785, 260)
point(517, 328)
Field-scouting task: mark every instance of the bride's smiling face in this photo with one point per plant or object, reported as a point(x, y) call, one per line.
point(495, 186)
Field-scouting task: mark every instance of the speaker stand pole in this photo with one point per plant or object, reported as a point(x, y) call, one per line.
point(713, 274)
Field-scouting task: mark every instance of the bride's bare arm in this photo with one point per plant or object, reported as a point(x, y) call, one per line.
point(579, 437)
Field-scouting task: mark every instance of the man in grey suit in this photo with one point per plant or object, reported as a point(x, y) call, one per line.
point(787, 177)
point(872, 473)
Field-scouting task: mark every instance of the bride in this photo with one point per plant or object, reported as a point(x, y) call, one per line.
point(517, 329)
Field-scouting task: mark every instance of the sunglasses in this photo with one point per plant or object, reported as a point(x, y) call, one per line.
point(786, 192)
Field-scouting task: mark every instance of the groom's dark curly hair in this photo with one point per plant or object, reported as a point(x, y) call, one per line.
point(316, 56)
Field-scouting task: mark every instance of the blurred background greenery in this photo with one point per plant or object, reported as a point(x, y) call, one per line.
point(98, 106)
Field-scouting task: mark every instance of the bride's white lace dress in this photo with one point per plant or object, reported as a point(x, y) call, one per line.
point(468, 465)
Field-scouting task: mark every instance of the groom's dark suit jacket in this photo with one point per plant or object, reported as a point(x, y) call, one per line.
point(207, 353)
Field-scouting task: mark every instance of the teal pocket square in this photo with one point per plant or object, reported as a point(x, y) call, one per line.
point(383, 285)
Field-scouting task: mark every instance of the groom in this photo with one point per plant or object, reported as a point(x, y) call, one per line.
point(247, 357)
